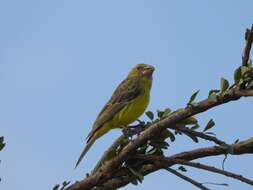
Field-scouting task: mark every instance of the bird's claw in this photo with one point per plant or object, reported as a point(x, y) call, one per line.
point(127, 133)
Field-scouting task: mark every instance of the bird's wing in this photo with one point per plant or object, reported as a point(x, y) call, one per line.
point(127, 90)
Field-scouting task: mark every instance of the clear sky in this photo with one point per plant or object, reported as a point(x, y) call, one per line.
point(60, 61)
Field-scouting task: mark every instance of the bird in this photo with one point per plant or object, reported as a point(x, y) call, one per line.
point(127, 103)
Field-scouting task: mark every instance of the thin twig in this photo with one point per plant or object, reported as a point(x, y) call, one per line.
point(192, 181)
point(223, 161)
point(215, 170)
point(198, 134)
point(211, 183)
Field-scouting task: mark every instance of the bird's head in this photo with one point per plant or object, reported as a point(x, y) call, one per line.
point(142, 70)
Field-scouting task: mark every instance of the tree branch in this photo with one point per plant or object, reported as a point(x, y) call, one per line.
point(120, 178)
point(197, 134)
point(107, 172)
point(153, 162)
point(197, 184)
point(214, 169)
point(246, 50)
point(183, 129)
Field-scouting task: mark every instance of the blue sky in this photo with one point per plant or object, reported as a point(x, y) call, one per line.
point(61, 60)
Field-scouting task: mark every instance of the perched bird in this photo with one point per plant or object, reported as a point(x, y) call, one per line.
point(127, 103)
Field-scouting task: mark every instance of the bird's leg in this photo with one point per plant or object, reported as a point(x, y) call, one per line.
point(137, 129)
point(127, 132)
point(130, 131)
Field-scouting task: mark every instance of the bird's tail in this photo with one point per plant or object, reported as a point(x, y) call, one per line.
point(90, 142)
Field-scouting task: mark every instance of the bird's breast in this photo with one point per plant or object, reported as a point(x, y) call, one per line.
point(132, 111)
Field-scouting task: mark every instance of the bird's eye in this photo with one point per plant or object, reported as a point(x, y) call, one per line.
point(138, 68)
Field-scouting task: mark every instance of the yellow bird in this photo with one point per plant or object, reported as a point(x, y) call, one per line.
point(127, 103)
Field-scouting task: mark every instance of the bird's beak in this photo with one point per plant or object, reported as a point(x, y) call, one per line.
point(148, 70)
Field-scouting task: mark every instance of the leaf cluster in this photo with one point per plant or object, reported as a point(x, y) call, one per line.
point(61, 187)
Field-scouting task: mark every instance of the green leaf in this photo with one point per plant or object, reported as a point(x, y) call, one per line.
point(65, 184)
point(192, 98)
point(159, 144)
point(194, 138)
point(244, 70)
point(152, 151)
point(178, 132)
point(209, 125)
point(215, 91)
point(196, 126)
point(189, 121)
point(150, 115)
point(137, 174)
point(56, 187)
point(237, 75)
point(210, 133)
point(236, 141)
point(224, 184)
point(160, 113)
point(134, 181)
point(172, 137)
point(164, 145)
point(182, 168)
point(2, 144)
point(1, 139)
point(224, 84)
point(155, 151)
point(141, 122)
point(212, 97)
point(142, 149)
point(168, 134)
point(166, 112)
